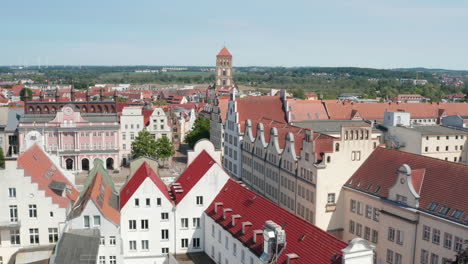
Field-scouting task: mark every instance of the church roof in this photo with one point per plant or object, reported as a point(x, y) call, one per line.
point(224, 52)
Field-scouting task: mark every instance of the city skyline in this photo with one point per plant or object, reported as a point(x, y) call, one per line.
point(362, 33)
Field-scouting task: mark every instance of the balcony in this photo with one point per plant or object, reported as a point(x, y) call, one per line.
point(7, 224)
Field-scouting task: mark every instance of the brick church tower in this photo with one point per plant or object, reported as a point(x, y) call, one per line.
point(224, 69)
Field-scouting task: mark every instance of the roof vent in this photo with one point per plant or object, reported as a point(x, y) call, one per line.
point(225, 212)
point(291, 257)
point(274, 242)
point(234, 217)
point(303, 236)
point(216, 206)
point(179, 191)
point(244, 226)
point(256, 233)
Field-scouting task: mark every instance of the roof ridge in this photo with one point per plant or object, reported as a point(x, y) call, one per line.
point(428, 157)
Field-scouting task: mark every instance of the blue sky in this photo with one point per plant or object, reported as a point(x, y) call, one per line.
point(361, 33)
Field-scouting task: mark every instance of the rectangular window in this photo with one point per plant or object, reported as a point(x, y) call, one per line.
point(164, 216)
point(165, 250)
point(97, 220)
point(102, 259)
point(132, 245)
point(436, 236)
point(86, 221)
point(359, 208)
point(137, 202)
point(196, 222)
point(148, 202)
point(158, 201)
point(358, 229)
point(199, 200)
point(434, 259)
point(398, 259)
point(144, 224)
point(164, 234)
point(400, 237)
point(33, 211)
point(368, 211)
point(391, 234)
point(375, 236)
point(112, 260)
point(331, 198)
point(184, 223)
point(424, 257)
point(426, 233)
point(132, 224)
point(53, 235)
point(389, 256)
point(458, 244)
point(145, 245)
point(13, 213)
point(196, 243)
point(34, 236)
point(12, 192)
point(15, 237)
point(367, 233)
point(376, 214)
point(112, 240)
point(447, 240)
point(102, 241)
point(184, 243)
point(234, 249)
point(353, 206)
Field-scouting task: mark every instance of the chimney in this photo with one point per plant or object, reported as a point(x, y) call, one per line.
point(358, 251)
point(234, 217)
point(291, 258)
point(245, 226)
point(216, 207)
point(72, 93)
point(116, 96)
point(226, 212)
point(101, 94)
point(57, 96)
point(88, 97)
point(257, 233)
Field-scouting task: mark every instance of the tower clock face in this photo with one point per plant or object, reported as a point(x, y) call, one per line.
point(67, 111)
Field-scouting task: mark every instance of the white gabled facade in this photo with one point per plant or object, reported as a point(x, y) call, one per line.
point(28, 217)
point(131, 123)
point(190, 210)
point(110, 244)
point(159, 126)
point(159, 233)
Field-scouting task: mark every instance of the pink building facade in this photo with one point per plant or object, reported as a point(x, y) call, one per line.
point(76, 138)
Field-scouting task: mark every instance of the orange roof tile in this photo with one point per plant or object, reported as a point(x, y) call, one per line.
point(224, 52)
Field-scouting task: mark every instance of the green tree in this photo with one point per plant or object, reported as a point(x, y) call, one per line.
point(2, 159)
point(26, 93)
point(160, 102)
point(201, 129)
point(165, 149)
point(299, 93)
point(144, 145)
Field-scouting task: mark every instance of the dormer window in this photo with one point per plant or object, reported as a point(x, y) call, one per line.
point(444, 210)
point(432, 206)
point(457, 214)
point(401, 199)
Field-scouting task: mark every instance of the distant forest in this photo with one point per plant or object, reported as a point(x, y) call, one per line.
point(328, 82)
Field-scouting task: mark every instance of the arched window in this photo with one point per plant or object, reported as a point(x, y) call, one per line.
point(31, 109)
point(38, 109)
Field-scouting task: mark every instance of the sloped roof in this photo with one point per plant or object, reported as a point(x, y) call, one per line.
point(256, 107)
point(439, 181)
point(192, 174)
point(99, 188)
point(309, 242)
point(304, 110)
point(42, 170)
point(137, 179)
point(224, 52)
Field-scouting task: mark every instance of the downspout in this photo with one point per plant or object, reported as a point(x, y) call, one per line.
point(415, 240)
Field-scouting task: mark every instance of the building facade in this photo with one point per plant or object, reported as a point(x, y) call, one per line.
point(131, 123)
point(406, 211)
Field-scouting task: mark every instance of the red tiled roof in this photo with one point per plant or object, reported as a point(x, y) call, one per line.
point(224, 52)
point(303, 110)
point(223, 103)
point(3, 99)
point(256, 107)
point(192, 174)
point(310, 243)
point(100, 189)
point(137, 179)
point(42, 170)
point(439, 181)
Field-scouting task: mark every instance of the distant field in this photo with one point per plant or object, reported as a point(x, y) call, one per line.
point(145, 74)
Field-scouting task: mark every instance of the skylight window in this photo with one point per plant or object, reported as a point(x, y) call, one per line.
point(457, 214)
point(359, 184)
point(369, 186)
point(444, 210)
point(432, 206)
point(377, 190)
